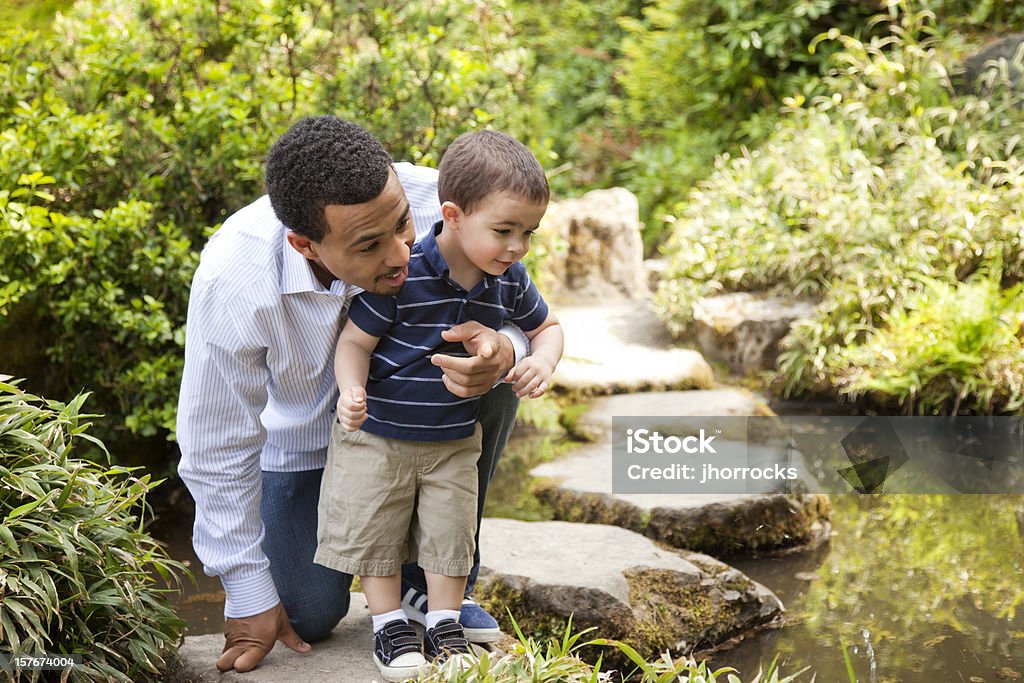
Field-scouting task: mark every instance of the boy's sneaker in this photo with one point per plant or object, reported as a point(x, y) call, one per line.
point(480, 627)
point(397, 652)
point(445, 641)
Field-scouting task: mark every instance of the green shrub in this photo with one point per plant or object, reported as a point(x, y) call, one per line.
point(860, 199)
point(78, 573)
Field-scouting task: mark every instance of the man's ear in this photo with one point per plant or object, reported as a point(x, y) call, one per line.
point(303, 245)
point(452, 214)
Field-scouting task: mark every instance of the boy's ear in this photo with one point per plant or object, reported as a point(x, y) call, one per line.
point(452, 214)
point(303, 245)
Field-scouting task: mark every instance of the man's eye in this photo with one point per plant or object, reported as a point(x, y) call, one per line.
point(404, 225)
point(370, 248)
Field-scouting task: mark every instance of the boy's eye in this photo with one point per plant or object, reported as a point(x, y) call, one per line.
point(502, 231)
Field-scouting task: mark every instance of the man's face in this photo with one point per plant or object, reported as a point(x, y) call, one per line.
point(366, 244)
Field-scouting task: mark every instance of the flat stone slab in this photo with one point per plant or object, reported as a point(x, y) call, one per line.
point(619, 582)
point(597, 421)
point(622, 347)
point(579, 486)
point(346, 655)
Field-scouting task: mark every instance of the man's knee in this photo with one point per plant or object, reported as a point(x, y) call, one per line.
point(316, 621)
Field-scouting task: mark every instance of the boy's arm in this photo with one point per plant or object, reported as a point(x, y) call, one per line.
point(351, 366)
point(532, 375)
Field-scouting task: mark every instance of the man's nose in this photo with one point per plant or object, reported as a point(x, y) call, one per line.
point(398, 253)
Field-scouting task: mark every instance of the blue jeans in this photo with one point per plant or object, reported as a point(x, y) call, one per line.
point(315, 597)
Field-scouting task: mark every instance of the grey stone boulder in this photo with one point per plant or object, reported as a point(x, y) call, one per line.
point(578, 486)
point(594, 249)
point(969, 77)
point(744, 330)
point(619, 582)
point(621, 348)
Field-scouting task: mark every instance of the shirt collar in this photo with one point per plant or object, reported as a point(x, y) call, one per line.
point(428, 245)
point(297, 275)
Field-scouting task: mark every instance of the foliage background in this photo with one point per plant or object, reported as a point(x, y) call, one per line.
point(129, 131)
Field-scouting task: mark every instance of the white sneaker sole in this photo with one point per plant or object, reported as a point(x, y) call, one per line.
point(395, 674)
point(482, 635)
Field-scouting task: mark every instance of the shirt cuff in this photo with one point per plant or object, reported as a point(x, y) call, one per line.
point(520, 342)
point(250, 595)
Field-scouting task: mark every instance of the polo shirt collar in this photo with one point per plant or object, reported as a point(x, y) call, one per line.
point(431, 253)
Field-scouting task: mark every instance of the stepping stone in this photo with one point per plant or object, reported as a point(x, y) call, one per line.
point(579, 487)
point(619, 582)
point(622, 347)
point(345, 656)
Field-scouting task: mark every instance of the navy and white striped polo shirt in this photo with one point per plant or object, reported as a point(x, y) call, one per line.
point(405, 396)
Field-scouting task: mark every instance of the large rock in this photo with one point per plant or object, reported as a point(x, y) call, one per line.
point(744, 330)
point(578, 487)
point(595, 252)
point(622, 347)
point(968, 77)
point(619, 582)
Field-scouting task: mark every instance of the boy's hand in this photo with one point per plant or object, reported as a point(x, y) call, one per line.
point(530, 377)
point(352, 408)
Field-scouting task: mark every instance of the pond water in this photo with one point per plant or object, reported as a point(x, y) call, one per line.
point(919, 588)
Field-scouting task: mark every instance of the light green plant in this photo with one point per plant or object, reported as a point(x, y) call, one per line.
point(857, 201)
point(78, 572)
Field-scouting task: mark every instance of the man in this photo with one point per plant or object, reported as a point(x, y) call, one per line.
point(258, 394)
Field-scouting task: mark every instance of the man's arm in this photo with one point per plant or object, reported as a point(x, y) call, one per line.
point(224, 390)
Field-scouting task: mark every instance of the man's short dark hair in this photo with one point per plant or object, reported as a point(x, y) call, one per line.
point(485, 162)
point(323, 160)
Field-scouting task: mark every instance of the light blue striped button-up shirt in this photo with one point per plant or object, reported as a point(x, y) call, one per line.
point(258, 390)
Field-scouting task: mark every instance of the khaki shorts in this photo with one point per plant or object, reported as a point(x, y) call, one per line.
point(384, 502)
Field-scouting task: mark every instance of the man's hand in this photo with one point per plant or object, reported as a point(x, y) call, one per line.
point(248, 640)
point(352, 408)
point(491, 357)
point(530, 377)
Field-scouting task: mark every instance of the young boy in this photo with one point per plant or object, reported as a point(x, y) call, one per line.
point(401, 482)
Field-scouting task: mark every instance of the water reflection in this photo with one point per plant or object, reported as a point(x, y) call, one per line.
point(935, 582)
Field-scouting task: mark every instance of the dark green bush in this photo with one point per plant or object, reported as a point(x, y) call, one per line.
point(78, 572)
point(129, 131)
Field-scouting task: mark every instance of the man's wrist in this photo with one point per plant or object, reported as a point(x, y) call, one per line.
point(249, 595)
point(520, 343)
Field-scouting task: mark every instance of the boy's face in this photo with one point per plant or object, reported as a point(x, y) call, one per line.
point(496, 234)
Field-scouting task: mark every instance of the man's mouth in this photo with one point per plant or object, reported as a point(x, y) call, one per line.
point(395, 278)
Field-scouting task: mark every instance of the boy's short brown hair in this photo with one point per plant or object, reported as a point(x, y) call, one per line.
point(483, 162)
